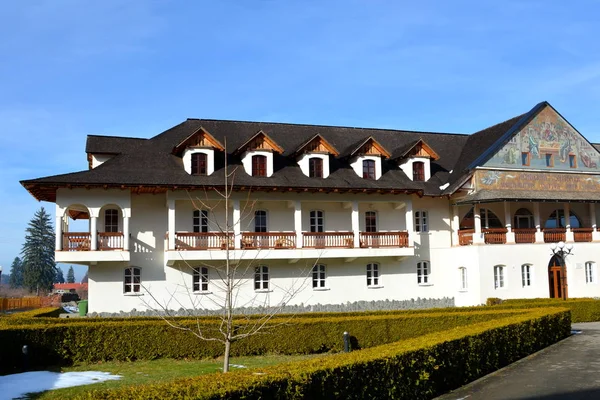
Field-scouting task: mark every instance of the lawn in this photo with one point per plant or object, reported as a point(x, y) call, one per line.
point(141, 372)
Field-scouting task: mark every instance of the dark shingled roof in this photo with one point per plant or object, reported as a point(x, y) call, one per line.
point(150, 162)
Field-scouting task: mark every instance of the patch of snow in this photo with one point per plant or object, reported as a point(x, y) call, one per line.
point(444, 186)
point(15, 386)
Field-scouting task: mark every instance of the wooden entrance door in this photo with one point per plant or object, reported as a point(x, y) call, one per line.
point(557, 280)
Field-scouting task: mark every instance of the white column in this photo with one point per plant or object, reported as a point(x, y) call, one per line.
point(510, 235)
point(298, 223)
point(355, 224)
point(94, 232)
point(126, 233)
point(595, 233)
point(539, 235)
point(570, 237)
point(237, 224)
point(59, 226)
point(455, 225)
point(477, 236)
point(171, 223)
point(410, 226)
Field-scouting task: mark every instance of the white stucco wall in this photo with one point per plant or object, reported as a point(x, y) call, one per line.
point(357, 165)
point(247, 160)
point(407, 166)
point(303, 163)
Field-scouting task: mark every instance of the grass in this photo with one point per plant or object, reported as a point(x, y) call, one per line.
point(141, 372)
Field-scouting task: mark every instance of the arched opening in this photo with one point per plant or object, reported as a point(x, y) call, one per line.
point(557, 220)
point(523, 219)
point(110, 228)
point(488, 220)
point(557, 277)
point(75, 228)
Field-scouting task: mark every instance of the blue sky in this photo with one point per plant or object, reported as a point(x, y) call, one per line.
point(69, 68)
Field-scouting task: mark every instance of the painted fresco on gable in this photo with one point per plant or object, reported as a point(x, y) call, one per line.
point(547, 142)
point(536, 181)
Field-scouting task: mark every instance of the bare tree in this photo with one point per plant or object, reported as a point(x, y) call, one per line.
point(234, 272)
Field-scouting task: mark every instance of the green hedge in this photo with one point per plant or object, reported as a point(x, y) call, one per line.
point(418, 368)
point(64, 343)
point(582, 309)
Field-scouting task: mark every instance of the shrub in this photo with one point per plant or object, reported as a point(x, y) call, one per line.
point(582, 309)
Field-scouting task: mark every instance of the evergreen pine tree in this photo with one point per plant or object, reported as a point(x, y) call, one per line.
point(39, 268)
point(16, 273)
point(71, 275)
point(60, 278)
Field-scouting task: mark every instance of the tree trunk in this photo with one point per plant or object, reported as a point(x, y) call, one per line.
point(226, 356)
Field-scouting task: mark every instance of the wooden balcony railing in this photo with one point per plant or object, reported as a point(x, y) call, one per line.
point(524, 235)
point(322, 240)
point(494, 235)
point(465, 236)
point(554, 235)
point(202, 240)
point(110, 240)
point(268, 240)
point(384, 239)
point(76, 241)
point(582, 234)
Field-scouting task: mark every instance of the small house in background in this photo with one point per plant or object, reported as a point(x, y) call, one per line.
point(69, 287)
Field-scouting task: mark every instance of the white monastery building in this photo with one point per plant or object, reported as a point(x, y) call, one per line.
point(332, 214)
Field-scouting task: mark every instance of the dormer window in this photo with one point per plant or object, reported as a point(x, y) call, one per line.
point(315, 167)
point(259, 165)
point(418, 171)
point(199, 164)
point(369, 169)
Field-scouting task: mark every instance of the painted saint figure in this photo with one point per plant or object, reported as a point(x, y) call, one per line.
point(534, 148)
point(565, 148)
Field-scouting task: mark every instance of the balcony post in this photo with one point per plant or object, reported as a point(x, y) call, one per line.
point(570, 237)
point(237, 224)
point(355, 224)
point(454, 226)
point(298, 223)
point(59, 232)
point(539, 235)
point(94, 232)
point(595, 233)
point(171, 223)
point(510, 235)
point(410, 226)
point(477, 236)
point(125, 232)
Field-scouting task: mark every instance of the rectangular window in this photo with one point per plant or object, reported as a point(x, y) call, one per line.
point(418, 171)
point(498, 276)
point(261, 278)
point(133, 280)
point(590, 272)
point(200, 221)
point(259, 166)
point(315, 167)
point(316, 221)
point(260, 221)
point(572, 161)
point(318, 276)
point(421, 223)
point(199, 164)
point(549, 160)
point(111, 220)
point(369, 169)
point(526, 275)
point(200, 279)
point(423, 272)
point(463, 278)
point(372, 274)
point(371, 221)
point(525, 158)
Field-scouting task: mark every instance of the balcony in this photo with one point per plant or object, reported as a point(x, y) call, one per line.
point(202, 241)
point(524, 235)
point(268, 240)
point(76, 247)
point(324, 240)
point(383, 239)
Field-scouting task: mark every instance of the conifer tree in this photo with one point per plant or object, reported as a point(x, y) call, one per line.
point(60, 278)
point(16, 273)
point(71, 275)
point(39, 268)
point(85, 278)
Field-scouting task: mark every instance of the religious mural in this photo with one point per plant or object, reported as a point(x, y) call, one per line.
point(536, 181)
point(547, 142)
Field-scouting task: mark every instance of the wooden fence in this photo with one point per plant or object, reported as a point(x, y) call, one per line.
point(18, 303)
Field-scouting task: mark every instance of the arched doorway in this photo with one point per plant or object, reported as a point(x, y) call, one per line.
point(557, 278)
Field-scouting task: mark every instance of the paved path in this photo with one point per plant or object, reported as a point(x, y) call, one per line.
point(567, 370)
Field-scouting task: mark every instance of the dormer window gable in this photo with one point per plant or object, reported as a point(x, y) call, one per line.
point(313, 157)
point(257, 154)
point(365, 160)
point(415, 161)
point(198, 152)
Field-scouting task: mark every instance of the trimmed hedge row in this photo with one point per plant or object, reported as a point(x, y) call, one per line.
point(131, 339)
point(582, 309)
point(418, 368)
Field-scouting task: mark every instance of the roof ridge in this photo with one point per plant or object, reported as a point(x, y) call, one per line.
point(389, 130)
point(117, 137)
